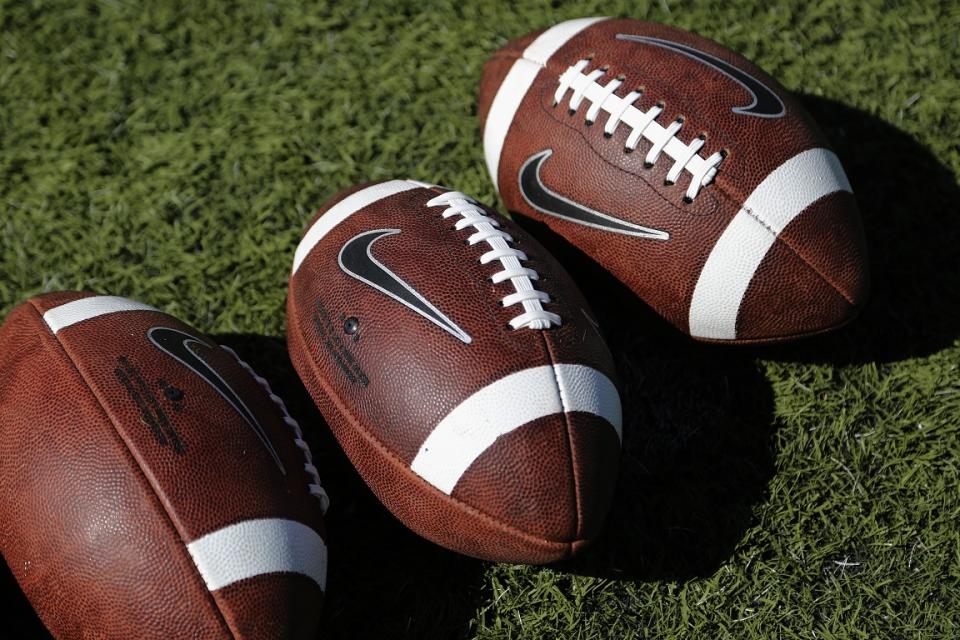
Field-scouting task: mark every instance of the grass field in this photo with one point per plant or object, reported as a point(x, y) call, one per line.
point(172, 152)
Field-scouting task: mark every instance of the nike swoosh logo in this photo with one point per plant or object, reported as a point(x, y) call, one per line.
point(553, 204)
point(356, 261)
point(180, 346)
point(766, 104)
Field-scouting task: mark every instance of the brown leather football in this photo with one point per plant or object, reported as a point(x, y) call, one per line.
point(151, 485)
point(684, 170)
point(460, 369)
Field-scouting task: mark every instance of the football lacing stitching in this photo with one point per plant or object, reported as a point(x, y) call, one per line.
point(663, 139)
point(488, 230)
point(316, 489)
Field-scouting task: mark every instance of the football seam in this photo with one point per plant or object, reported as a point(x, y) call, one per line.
point(728, 196)
point(707, 209)
point(143, 476)
point(778, 237)
point(689, 114)
point(653, 186)
point(578, 498)
point(395, 460)
point(777, 340)
point(708, 46)
point(294, 433)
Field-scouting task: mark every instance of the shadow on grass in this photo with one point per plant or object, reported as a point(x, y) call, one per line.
point(384, 581)
point(909, 202)
point(696, 444)
point(699, 418)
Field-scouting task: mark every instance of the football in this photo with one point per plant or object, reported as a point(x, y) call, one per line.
point(151, 485)
point(682, 169)
point(460, 369)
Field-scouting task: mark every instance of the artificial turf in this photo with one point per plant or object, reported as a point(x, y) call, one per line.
point(172, 152)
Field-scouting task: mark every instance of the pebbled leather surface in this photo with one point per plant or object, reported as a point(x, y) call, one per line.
point(97, 512)
point(822, 286)
point(523, 500)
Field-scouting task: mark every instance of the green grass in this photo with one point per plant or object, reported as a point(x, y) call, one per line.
point(173, 152)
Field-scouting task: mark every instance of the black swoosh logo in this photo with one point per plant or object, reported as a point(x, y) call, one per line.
point(357, 261)
point(766, 104)
point(178, 345)
point(553, 204)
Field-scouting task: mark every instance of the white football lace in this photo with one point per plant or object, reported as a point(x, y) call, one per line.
point(663, 139)
point(534, 316)
point(316, 488)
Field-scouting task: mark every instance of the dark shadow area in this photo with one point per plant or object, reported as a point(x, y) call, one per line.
point(909, 202)
point(697, 430)
point(20, 621)
point(384, 581)
point(698, 417)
